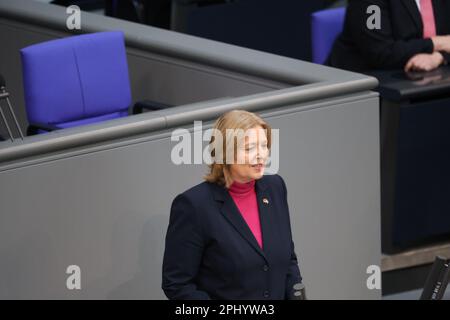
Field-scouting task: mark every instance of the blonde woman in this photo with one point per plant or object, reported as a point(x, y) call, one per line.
point(230, 236)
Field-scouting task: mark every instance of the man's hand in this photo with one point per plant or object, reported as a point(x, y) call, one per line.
point(424, 62)
point(441, 43)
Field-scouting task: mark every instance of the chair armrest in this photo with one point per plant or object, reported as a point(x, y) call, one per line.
point(149, 105)
point(34, 127)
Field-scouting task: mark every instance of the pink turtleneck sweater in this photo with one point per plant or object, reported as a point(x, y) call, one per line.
point(244, 195)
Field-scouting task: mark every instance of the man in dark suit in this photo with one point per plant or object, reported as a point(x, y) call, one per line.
point(413, 35)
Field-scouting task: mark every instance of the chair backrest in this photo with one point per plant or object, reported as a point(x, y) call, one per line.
point(76, 77)
point(326, 25)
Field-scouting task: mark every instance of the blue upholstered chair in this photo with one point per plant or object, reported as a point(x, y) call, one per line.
point(77, 80)
point(326, 25)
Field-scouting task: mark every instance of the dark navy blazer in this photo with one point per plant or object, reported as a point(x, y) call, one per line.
point(211, 252)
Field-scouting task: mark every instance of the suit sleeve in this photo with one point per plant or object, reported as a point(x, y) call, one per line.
point(446, 56)
point(379, 46)
point(293, 275)
point(183, 252)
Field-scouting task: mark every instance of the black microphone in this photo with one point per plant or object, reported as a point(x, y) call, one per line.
point(5, 95)
point(298, 292)
point(2, 81)
point(437, 280)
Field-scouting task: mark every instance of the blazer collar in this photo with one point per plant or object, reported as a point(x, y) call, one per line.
point(231, 212)
point(221, 193)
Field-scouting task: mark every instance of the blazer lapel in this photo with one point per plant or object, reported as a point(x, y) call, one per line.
point(414, 12)
point(267, 218)
point(231, 212)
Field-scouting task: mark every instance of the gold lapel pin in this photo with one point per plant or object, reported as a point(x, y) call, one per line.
point(265, 200)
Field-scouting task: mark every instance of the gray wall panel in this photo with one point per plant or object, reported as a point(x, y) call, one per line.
point(179, 82)
point(107, 211)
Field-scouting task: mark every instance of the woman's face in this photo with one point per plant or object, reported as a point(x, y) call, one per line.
point(252, 155)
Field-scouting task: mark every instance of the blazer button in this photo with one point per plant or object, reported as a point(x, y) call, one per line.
point(266, 268)
point(266, 294)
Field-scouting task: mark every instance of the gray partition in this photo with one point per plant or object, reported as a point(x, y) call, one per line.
point(99, 196)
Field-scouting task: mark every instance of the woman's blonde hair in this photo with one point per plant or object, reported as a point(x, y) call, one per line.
point(234, 120)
